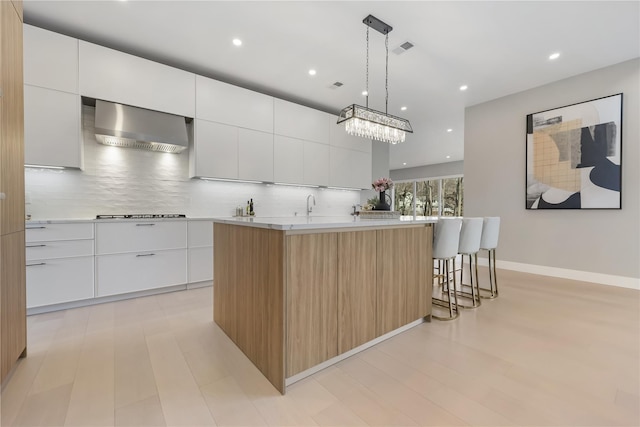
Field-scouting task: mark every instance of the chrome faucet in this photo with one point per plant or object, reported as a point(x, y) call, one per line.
point(309, 208)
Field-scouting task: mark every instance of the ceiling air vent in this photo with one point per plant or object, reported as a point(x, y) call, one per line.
point(336, 85)
point(403, 48)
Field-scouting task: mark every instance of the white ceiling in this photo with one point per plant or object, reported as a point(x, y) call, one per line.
point(496, 48)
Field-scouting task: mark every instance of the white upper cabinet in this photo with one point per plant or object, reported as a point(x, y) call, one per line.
point(50, 60)
point(301, 122)
point(288, 160)
point(350, 168)
point(255, 155)
point(232, 105)
point(316, 163)
point(51, 128)
point(340, 138)
point(215, 150)
point(119, 77)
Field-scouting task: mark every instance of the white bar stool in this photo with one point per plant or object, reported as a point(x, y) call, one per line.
point(489, 242)
point(469, 245)
point(445, 248)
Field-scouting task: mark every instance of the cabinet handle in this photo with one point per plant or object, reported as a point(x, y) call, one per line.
point(36, 228)
point(139, 255)
point(144, 225)
point(34, 265)
point(36, 246)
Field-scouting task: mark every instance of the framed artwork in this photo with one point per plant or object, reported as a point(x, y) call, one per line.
point(574, 156)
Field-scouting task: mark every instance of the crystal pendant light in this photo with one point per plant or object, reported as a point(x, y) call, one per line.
point(366, 122)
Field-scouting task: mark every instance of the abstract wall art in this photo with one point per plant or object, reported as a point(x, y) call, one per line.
point(574, 156)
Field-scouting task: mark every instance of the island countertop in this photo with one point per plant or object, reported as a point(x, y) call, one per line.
point(320, 222)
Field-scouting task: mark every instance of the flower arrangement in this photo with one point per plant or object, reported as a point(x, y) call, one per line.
point(382, 184)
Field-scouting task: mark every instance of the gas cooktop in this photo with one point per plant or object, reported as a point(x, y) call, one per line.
point(140, 216)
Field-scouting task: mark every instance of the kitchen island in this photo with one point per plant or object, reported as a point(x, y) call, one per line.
point(298, 294)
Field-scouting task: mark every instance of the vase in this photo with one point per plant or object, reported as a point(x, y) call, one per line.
point(382, 203)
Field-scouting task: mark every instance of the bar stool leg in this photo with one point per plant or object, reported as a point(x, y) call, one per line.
point(493, 280)
point(452, 300)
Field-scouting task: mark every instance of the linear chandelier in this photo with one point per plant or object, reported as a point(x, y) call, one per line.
point(369, 123)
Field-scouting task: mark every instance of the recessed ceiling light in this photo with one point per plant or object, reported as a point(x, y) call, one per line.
point(312, 72)
point(403, 108)
point(555, 55)
point(404, 164)
point(237, 42)
point(365, 93)
point(449, 130)
point(464, 87)
point(448, 157)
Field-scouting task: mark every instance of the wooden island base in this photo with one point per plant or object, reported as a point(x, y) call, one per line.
point(294, 299)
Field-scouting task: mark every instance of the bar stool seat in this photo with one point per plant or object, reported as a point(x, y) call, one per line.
point(469, 245)
point(446, 238)
point(489, 242)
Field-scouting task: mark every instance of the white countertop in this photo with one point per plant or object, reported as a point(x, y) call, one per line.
point(319, 222)
point(90, 220)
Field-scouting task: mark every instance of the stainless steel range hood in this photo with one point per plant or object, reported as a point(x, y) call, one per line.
point(132, 127)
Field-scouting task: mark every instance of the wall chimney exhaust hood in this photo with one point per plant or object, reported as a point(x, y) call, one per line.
point(132, 127)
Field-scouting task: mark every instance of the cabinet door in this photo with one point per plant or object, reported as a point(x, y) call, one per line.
point(52, 128)
point(350, 168)
point(340, 167)
point(312, 311)
point(200, 233)
point(132, 272)
point(59, 249)
point(403, 279)
point(50, 232)
point(301, 122)
point(316, 164)
point(288, 160)
point(215, 153)
point(356, 289)
point(56, 281)
point(200, 264)
point(50, 60)
point(138, 236)
point(360, 169)
point(119, 77)
point(255, 155)
point(232, 105)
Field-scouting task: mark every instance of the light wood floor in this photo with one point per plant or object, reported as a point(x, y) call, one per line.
point(547, 352)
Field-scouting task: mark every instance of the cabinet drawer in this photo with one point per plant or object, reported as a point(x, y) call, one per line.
point(48, 232)
point(140, 236)
point(200, 234)
point(200, 264)
point(131, 272)
point(59, 249)
point(60, 280)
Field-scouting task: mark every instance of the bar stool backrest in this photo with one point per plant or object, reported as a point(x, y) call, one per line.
point(446, 238)
point(470, 235)
point(490, 232)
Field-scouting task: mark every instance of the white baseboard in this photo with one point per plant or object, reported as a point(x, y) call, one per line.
point(565, 273)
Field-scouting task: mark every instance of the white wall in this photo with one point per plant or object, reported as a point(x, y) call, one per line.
point(121, 181)
point(597, 245)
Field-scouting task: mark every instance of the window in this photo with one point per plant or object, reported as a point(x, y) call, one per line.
point(436, 197)
point(403, 198)
point(452, 197)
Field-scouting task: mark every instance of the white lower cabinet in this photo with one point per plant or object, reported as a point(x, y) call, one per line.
point(132, 272)
point(200, 264)
point(60, 263)
point(56, 281)
point(140, 255)
point(200, 248)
